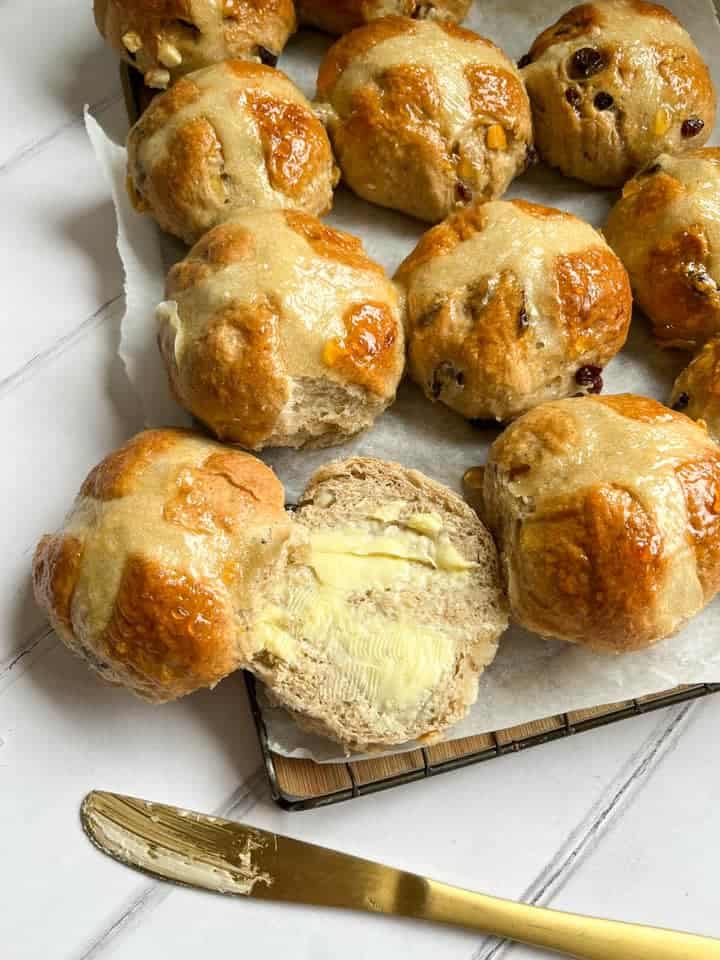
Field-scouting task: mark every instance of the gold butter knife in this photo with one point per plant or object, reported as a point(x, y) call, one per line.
point(226, 857)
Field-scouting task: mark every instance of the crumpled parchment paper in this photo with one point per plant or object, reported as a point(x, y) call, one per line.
point(531, 678)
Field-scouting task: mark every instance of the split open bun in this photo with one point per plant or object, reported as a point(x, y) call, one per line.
point(370, 613)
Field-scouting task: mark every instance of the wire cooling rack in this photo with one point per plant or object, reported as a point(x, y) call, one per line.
point(305, 785)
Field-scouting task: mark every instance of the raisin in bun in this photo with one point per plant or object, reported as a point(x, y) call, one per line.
point(666, 230)
point(165, 39)
point(510, 304)
point(341, 17)
point(156, 574)
point(389, 609)
point(280, 331)
point(424, 115)
point(606, 511)
point(613, 84)
point(232, 136)
point(696, 392)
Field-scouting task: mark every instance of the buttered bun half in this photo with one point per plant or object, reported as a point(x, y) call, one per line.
point(369, 614)
point(388, 611)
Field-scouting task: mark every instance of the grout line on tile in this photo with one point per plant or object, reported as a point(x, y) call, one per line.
point(609, 808)
point(23, 373)
point(40, 643)
point(24, 650)
point(29, 150)
point(241, 801)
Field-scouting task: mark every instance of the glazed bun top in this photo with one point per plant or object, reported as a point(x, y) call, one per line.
point(157, 571)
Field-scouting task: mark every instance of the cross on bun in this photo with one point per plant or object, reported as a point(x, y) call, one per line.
point(510, 304)
point(666, 230)
point(281, 332)
point(341, 16)
point(388, 611)
point(424, 115)
point(232, 136)
point(606, 511)
point(166, 39)
point(156, 574)
point(613, 84)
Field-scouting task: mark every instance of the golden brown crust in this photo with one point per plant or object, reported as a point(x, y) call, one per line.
point(232, 136)
point(590, 565)
point(155, 580)
point(548, 428)
point(294, 142)
point(169, 632)
point(161, 110)
point(236, 377)
point(392, 132)
point(580, 21)
point(492, 332)
point(644, 409)
point(165, 39)
point(354, 46)
point(541, 212)
point(684, 311)
point(429, 130)
point(700, 480)
point(656, 193)
point(255, 352)
point(606, 510)
point(366, 354)
point(614, 84)
point(330, 243)
point(223, 492)
point(341, 16)
point(442, 239)
point(495, 93)
point(696, 392)
point(445, 358)
point(666, 229)
point(224, 245)
point(188, 180)
point(655, 10)
point(574, 24)
point(255, 481)
point(56, 568)
point(595, 302)
point(247, 21)
point(706, 153)
point(119, 474)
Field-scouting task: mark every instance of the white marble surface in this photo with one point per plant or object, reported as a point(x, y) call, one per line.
point(622, 822)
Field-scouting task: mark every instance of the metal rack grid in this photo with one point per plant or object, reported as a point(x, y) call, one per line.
point(304, 785)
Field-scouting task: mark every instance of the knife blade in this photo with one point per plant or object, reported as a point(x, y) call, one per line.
point(203, 851)
point(220, 855)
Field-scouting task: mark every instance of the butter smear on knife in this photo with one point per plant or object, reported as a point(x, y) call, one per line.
point(177, 844)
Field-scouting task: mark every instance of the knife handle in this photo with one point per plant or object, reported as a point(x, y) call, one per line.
point(586, 938)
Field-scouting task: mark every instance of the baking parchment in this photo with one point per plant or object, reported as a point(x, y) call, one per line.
point(531, 678)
